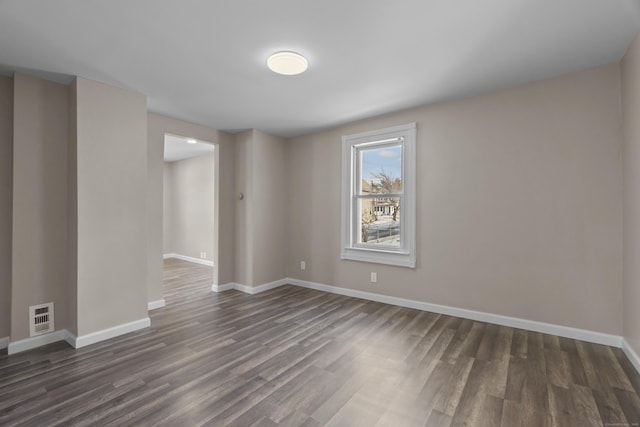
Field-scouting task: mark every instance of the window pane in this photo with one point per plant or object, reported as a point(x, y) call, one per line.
point(380, 170)
point(379, 221)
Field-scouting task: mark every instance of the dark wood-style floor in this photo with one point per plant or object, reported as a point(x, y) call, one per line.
point(297, 357)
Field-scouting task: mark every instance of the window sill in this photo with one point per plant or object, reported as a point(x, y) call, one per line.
point(379, 257)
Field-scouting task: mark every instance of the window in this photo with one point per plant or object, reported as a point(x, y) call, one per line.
point(378, 196)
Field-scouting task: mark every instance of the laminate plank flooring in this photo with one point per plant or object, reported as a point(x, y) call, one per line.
point(297, 357)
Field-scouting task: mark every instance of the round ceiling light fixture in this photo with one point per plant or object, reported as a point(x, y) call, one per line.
point(287, 63)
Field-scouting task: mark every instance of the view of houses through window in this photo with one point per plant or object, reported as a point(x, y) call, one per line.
point(380, 194)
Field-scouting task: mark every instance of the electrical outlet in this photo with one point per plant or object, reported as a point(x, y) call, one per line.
point(303, 265)
point(203, 255)
point(374, 277)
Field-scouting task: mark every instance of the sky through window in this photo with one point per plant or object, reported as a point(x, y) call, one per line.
point(387, 159)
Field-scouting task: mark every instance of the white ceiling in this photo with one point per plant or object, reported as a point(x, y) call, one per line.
point(177, 148)
point(205, 61)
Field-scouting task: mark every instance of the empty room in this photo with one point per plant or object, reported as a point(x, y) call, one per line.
point(297, 213)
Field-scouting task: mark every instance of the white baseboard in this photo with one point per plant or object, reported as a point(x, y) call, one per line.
point(225, 287)
point(514, 322)
point(4, 343)
point(105, 334)
point(249, 289)
point(189, 259)
point(261, 288)
point(70, 338)
point(631, 354)
point(37, 341)
point(152, 305)
point(76, 342)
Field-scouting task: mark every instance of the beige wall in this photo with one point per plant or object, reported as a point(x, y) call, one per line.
point(518, 204)
point(112, 206)
point(159, 125)
point(630, 88)
point(167, 204)
point(243, 252)
point(189, 221)
point(269, 197)
point(519, 198)
point(6, 185)
point(72, 211)
point(261, 217)
point(39, 255)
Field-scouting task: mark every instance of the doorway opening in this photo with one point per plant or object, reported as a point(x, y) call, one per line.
point(190, 212)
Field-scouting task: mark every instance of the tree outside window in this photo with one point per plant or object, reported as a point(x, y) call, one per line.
point(378, 217)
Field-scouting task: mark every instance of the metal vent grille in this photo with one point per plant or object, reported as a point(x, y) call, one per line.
point(40, 319)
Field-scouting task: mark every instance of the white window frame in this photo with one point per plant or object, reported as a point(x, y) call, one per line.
point(405, 256)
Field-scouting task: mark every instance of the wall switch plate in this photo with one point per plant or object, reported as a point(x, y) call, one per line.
point(374, 277)
point(303, 265)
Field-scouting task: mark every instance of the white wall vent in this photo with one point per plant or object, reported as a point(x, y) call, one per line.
point(40, 319)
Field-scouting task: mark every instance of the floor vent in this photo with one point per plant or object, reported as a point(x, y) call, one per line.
point(40, 319)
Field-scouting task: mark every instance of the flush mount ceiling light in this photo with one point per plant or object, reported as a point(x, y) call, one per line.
point(191, 141)
point(287, 63)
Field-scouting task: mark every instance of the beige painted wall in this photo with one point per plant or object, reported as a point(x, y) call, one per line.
point(72, 211)
point(261, 217)
point(190, 220)
point(39, 254)
point(6, 185)
point(630, 88)
point(157, 126)
point(518, 206)
point(243, 259)
point(269, 197)
point(167, 204)
point(112, 206)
